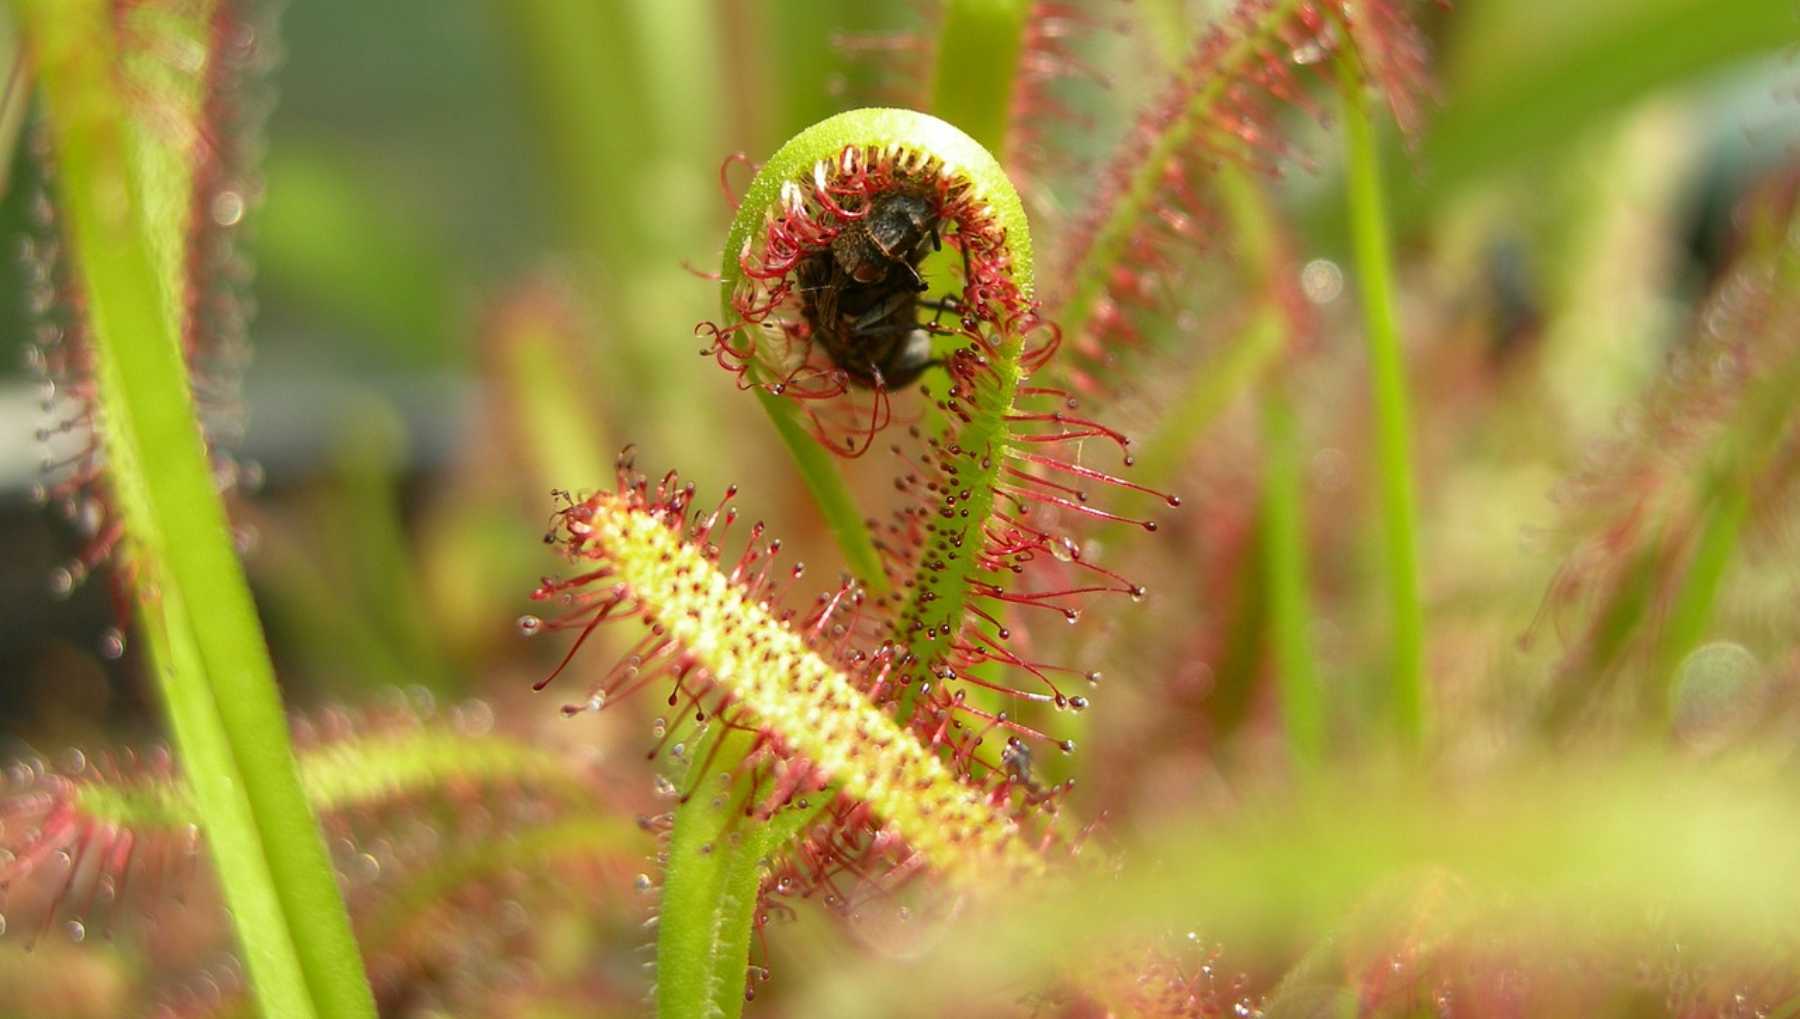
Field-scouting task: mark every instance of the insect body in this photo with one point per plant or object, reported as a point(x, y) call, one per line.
point(861, 296)
point(892, 234)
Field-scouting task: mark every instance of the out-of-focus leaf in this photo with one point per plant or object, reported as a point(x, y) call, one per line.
point(1523, 75)
point(324, 237)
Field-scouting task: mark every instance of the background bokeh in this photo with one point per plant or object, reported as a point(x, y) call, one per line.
point(447, 185)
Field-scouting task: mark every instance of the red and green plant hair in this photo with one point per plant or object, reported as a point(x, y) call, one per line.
point(192, 76)
point(884, 711)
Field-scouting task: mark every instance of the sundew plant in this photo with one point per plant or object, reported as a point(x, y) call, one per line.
point(1070, 508)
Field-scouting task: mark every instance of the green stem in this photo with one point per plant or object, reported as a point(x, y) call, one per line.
point(978, 50)
point(206, 645)
point(689, 954)
point(1387, 379)
point(710, 888)
point(933, 615)
point(1284, 559)
point(716, 854)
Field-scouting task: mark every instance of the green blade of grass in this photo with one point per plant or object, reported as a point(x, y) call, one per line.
point(1387, 379)
point(206, 645)
point(1284, 560)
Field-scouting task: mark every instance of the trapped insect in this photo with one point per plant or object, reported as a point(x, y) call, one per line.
point(861, 295)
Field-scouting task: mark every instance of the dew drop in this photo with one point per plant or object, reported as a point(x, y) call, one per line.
point(474, 718)
point(678, 750)
point(1322, 281)
point(665, 788)
point(112, 644)
point(1308, 53)
point(660, 727)
point(643, 883)
point(62, 582)
point(530, 625)
point(1066, 746)
point(1714, 693)
point(227, 208)
point(76, 930)
point(596, 701)
point(90, 516)
point(2, 924)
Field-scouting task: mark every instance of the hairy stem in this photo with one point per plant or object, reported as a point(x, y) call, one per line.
point(1134, 199)
point(206, 645)
point(358, 772)
point(710, 889)
point(699, 919)
point(1387, 380)
point(940, 598)
point(715, 854)
point(1218, 380)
